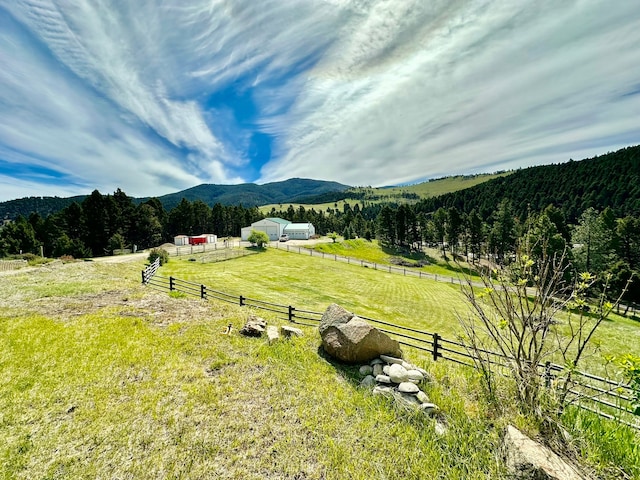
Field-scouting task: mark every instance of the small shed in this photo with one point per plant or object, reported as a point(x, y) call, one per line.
point(181, 240)
point(204, 238)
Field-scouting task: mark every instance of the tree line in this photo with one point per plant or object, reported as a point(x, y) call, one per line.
point(598, 241)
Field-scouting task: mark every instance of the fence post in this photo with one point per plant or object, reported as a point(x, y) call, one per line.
point(203, 291)
point(547, 374)
point(291, 314)
point(436, 346)
point(171, 284)
point(242, 301)
point(143, 277)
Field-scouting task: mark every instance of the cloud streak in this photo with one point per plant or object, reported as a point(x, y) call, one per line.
point(154, 97)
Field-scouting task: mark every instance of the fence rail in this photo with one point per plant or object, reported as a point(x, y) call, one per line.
point(6, 265)
point(405, 271)
point(608, 398)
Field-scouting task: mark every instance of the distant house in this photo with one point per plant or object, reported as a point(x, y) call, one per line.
point(275, 227)
point(182, 240)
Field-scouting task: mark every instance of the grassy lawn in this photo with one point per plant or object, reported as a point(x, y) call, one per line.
point(371, 251)
point(104, 378)
point(312, 283)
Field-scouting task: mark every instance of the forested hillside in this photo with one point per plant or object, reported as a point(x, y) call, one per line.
point(248, 194)
point(611, 180)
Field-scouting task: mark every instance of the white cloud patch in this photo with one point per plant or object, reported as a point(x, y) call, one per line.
point(415, 89)
point(132, 94)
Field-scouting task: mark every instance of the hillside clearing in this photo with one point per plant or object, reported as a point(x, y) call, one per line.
point(106, 379)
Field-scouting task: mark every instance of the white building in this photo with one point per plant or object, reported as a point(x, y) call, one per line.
point(299, 231)
point(180, 240)
point(275, 227)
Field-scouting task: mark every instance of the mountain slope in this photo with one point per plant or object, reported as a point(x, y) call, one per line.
point(610, 180)
point(248, 194)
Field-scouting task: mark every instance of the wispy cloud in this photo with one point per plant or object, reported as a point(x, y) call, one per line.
point(154, 96)
point(462, 87)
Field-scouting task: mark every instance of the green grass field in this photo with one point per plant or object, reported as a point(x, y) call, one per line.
point(371, 251)
point(105, 378)
point(312, 283)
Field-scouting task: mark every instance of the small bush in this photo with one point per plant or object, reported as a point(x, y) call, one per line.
point(160, 253)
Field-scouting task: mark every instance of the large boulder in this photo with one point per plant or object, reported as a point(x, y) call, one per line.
point(528, 460)
point(351, 339)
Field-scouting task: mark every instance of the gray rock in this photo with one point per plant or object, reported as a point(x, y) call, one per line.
point(415, 376)
point(527, 459)
point(377, 370)
point(406, 400)
point(385, 369)
point(376, 361)
point(351, 339)
point(429, 408)
point(333, 316)
point(366, 370)
point(423, 397)
point(383, 379)
point(407, 365)
point(254, 327)
point(398, 373)
point(389, 359)
point(382, 390)
point(272, 334)
point(288, 332)
point(368, 381)
point(408, 387)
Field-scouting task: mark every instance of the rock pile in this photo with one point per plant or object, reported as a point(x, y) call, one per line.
point(394, 378)
point(256, 326)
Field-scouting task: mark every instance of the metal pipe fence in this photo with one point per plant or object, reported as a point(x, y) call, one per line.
point(608, 398)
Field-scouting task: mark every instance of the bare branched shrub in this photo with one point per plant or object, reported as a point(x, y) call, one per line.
point(530, 312)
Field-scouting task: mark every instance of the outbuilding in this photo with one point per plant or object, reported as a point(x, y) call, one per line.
point(274, 227)
point(181, 240)
point(299, 231)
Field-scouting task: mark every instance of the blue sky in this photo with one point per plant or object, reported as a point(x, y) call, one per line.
point(156, 96)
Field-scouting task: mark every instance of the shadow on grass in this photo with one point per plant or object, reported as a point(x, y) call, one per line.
point(421, 258)
point(348, 371)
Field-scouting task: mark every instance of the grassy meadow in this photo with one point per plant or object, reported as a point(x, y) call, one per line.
point(105, 378)
point(371, 251)
point(312, 283)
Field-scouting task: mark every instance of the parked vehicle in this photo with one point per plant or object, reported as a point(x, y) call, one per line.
point(284, 237)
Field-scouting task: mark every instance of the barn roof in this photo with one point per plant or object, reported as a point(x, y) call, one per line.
point(281, 221)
